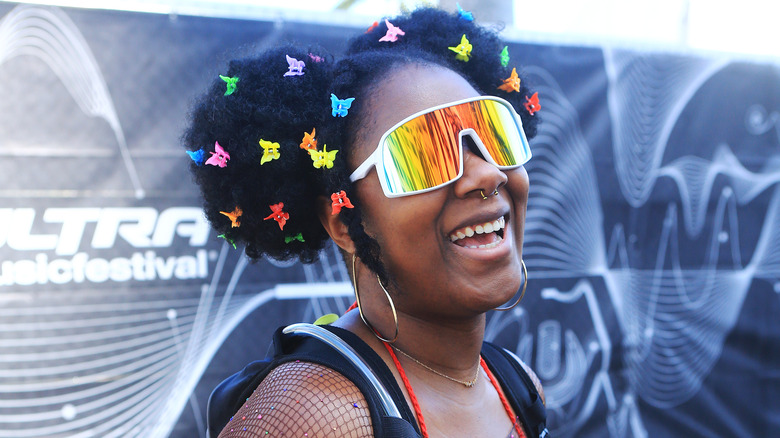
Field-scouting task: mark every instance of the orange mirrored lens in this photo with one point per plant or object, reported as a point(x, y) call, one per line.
point(424, 152)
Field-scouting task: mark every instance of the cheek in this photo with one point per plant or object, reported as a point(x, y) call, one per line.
point(517, 185)
point(372, 204)
point(405, 227)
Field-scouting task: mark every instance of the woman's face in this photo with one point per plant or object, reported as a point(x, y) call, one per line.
point(432, 275)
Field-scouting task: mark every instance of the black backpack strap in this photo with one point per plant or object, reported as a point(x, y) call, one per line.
point(231, 394)
point(386, 402)
point(519, 389)
point(222, 401)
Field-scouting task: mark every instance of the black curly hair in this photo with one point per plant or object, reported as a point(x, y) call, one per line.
point(266, 105)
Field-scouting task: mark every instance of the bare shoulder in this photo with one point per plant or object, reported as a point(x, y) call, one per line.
point(302, 399)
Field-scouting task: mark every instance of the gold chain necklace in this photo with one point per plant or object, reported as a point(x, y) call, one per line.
point(466, 383)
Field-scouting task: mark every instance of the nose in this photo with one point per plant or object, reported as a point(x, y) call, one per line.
point(478, 174)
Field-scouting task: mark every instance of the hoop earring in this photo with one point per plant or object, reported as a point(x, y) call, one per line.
point(360, 309)
point(522, 294)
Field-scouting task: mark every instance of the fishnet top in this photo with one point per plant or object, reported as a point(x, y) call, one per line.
point(302, 399)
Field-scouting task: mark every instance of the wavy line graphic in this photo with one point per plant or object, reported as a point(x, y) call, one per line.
point(49, 35)
point(695, 176)
point(564, 221)
point(674, 318)
point(646, 95)
point(766, 259)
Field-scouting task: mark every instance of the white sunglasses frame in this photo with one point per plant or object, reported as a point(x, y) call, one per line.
point(376, 157)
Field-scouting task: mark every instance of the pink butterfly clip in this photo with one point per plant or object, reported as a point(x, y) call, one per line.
point(392, 32)
point(219, 157)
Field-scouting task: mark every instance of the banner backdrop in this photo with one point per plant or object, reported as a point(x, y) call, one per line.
point(652, 239)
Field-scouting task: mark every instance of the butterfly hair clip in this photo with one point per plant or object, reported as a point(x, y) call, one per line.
point(234, 217)
point(219, 157)
point(462, 50)
point(279, 215)
point(198, 156)
point(298, 237)
point(505, 56)
point(309, 142)
point(339, 201)
point(229, 239)
point(464, 15)
point(532, 104)
point(230, 84)
point(323, 158)
point(392, 32)
point(512, 83)
point(270, 151)
point(294, 66)
point(340, 107)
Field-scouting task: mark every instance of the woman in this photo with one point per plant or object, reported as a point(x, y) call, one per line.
point(428, 212)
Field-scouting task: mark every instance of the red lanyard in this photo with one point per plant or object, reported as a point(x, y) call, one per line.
point(416, 405)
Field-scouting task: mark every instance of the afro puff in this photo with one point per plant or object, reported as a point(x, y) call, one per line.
point(262, 123)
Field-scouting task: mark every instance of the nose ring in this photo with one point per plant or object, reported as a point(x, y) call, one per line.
point(495, 193)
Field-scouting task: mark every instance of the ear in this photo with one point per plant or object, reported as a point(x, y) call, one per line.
point(337, 230)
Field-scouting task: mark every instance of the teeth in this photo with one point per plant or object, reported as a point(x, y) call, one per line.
point(487, 227)
point(489, 245)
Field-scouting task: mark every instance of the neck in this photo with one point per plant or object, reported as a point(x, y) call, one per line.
point(451, 348)
point(449, 345)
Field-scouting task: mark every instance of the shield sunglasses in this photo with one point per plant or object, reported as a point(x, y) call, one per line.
point(424, 151)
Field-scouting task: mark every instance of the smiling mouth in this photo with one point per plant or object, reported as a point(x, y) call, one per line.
point(481, 236)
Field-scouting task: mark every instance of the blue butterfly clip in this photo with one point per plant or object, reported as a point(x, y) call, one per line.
point(340, 106)
point(198, 156)
point(464, 15)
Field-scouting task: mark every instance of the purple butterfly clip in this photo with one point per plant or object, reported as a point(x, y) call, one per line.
point(295, 67)
point(219, 157)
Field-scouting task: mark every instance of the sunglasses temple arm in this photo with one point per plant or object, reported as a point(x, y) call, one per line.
point(364, 168)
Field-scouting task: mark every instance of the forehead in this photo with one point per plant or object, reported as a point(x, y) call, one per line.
point(403, 92)
point(413, 88)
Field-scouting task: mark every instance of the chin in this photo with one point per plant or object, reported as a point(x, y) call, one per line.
point(504, 288)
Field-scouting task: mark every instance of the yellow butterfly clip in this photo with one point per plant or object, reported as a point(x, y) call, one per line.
point(270, 151)
point(323, 157)
point(463, 49)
